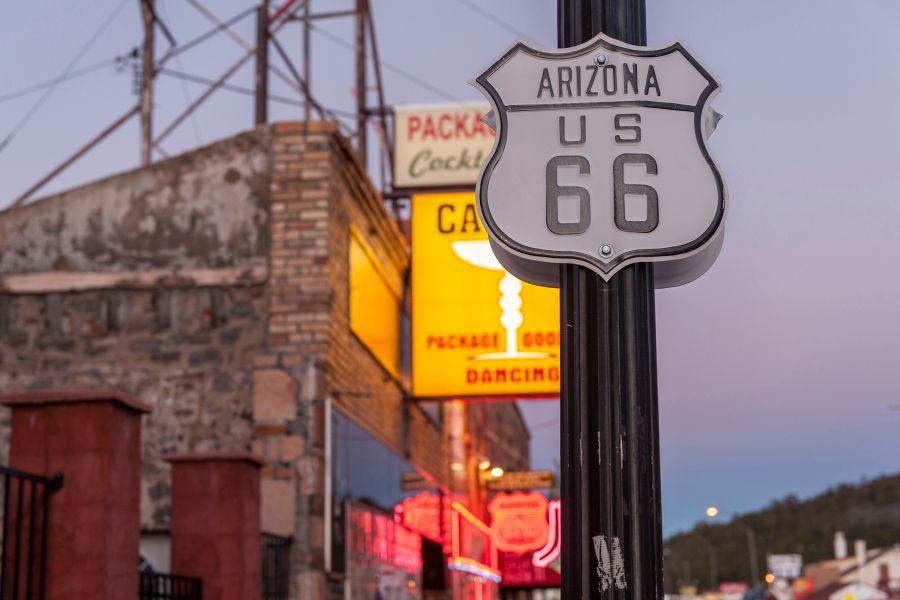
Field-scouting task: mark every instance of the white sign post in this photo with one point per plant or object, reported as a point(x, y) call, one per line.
point(601, 160)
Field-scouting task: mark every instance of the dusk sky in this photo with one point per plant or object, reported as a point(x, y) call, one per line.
point(778, 368)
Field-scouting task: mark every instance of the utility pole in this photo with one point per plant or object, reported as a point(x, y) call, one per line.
point(611, 514)
point(262, 63)
point(307, 107)
point(754, 558)
point(361, 7)
point(148, 72)
point(713, 564)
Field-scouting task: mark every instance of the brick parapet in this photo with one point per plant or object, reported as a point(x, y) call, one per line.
point(215, 531)
point(92, 531)
point(319, 190)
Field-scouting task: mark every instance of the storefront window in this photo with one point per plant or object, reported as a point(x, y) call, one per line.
point(383, 558)
point(366, 491)
point(364, 469)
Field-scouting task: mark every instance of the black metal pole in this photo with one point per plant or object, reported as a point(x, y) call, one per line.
point(611, 517)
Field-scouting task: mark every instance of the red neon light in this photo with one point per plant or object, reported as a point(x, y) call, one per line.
point(519, 521)
point(550, 551)
point(459, 512)
point(471, 518)
point(373, 536)
point(519, 571)
point(454, 536)
point(422, 514)
point(482, 527)
point(461, 563)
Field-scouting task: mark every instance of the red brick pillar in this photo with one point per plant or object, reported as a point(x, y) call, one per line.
point(215, 527)
point(94, 438)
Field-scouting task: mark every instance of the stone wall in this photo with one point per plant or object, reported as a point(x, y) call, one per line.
point(186, 351)
point(152, 282)
point(204, 209)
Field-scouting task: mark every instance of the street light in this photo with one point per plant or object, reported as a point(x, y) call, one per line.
point(712, 512)
point(496, 472)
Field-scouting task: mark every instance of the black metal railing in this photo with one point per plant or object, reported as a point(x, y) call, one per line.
point(276, 555)
point(23, 534)
point(163, 586)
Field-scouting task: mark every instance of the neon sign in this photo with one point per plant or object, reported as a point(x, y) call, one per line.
point(550, 551)
point(373, 539)
point(537, 569)
point(473, 567)
point(422, 514)
point(519, 521)
point(471, 545)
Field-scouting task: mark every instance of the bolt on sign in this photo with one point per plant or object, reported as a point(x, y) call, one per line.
point(440, 145)
point(476, 329)
point(601, 161)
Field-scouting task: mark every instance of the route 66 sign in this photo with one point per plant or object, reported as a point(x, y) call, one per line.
point(600, 159)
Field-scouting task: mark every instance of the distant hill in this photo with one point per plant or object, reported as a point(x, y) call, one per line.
point(869, 510)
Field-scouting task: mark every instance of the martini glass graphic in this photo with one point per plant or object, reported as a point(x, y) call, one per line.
point(479, 254)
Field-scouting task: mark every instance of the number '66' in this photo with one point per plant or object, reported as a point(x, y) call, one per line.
point(620, 187)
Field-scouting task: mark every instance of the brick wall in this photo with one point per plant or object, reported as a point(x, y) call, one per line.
point(310, 357)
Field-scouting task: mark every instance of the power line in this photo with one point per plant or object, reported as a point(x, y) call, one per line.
point(205, 36)
point(230, 87)
point(40, 102)
point(51, 82)
point(397, 70)
point(493, 18)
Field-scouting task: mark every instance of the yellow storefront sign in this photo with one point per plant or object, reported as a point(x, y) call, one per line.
point(476, 330)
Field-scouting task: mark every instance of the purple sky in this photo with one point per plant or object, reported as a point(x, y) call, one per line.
point(777, 368)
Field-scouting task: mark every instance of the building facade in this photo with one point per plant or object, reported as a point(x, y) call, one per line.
point(253, 293)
